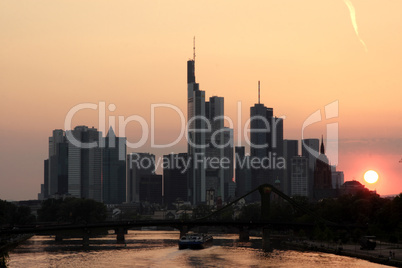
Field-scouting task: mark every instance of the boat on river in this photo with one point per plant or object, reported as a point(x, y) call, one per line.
point(195, 241)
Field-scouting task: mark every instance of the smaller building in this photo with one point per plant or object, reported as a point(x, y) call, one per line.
point(299, 176)
point(175, 177)
point(337, 179)
point(151, 189)
point(138, 165)
point(352, 187)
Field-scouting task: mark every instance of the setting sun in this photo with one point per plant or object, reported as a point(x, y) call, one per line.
point(371, 176)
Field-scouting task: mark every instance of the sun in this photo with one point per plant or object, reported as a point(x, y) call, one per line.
point(371, 176)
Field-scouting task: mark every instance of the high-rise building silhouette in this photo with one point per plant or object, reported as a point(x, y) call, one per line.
point(230, 185)
point(299, 176)
point(138, 165)
point(337, 178)
point(151, 189)
point(57, 164)
point(77, 161)
point(85, 163)
point(242, 172)
point(196, 138)
point(114, 169)
point(322, 173)
point(290, 150)
point(207, 139)
point(266, 137)
point(175, 178)
point(310, 149)
point(215, 176)
point(44, 188)
point(322, 176)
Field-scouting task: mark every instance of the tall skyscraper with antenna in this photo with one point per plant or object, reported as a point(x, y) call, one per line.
point(266, 137)
point(196, 138)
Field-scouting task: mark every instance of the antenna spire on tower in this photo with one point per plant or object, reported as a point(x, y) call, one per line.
point(258, 91)
point(194, 49)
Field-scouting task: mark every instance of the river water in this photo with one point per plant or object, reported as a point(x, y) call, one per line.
point(159, 249)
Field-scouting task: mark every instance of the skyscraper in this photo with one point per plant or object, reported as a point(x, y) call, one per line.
point(138, 165)
point(337, 178)
point(230, 185)
point(151, 189)
point(299, 176)
point(45, 186)
point(290, 150)
point(310, 149)
point(84, 163)
point(114, 169)
point(196, 138)
point(322, 172)
point(266, 136)
point(77, 161)
point(242, 172)
point(175, 177)
point(323, 177)
point(57, 164)
point(215, 176)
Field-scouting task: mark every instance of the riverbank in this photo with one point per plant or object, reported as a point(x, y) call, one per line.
point(387, 254)
point(13, 241)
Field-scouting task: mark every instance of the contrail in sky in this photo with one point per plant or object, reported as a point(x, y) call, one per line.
point(353, 18)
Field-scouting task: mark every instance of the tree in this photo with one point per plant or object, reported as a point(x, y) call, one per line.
point(251, 212)
point(201, 211)
point(74, 210)
point(12, 214)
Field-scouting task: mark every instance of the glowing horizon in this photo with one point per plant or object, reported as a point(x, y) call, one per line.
point(133, 54)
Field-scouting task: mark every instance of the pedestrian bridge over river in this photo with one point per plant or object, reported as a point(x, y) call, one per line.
point(120, 227)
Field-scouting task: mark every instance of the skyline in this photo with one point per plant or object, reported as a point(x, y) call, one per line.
point(52, 62)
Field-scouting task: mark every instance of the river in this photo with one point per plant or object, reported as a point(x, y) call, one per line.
point(159, 249)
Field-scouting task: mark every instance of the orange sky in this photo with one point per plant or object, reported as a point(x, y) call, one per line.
point(57, 54)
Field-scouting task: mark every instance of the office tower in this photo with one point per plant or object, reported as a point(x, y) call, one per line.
point(44, 187)
point(242, 172)
point(114, 169)
point(84, 163)
point(45, 192)
point(260, 142)
point(230, 185)
point(196, 138)
point(266, 137)
point(322, 173)
point(138, 165)
point(58, 164)
point(151, 189)
point(322, 176)
point(310, 149)
point(299, 176)
point(290, 150)
point(337, 178)
point(75, 164)
point(42, 192)
point(215, 139)
point(175, 177)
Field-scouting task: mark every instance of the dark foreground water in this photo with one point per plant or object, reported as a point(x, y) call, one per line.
point(159, 249)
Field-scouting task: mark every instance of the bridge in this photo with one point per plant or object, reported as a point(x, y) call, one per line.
point(120, 227)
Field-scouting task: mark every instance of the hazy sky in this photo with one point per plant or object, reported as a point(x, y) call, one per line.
point(55, 55)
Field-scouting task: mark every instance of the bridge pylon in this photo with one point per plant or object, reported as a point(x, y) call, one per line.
point(265, 192)
point(120, 232)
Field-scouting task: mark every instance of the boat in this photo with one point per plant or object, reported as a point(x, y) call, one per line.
point(368, 243)
point(195, 241)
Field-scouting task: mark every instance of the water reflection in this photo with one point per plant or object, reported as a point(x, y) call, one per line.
point(159, 248)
